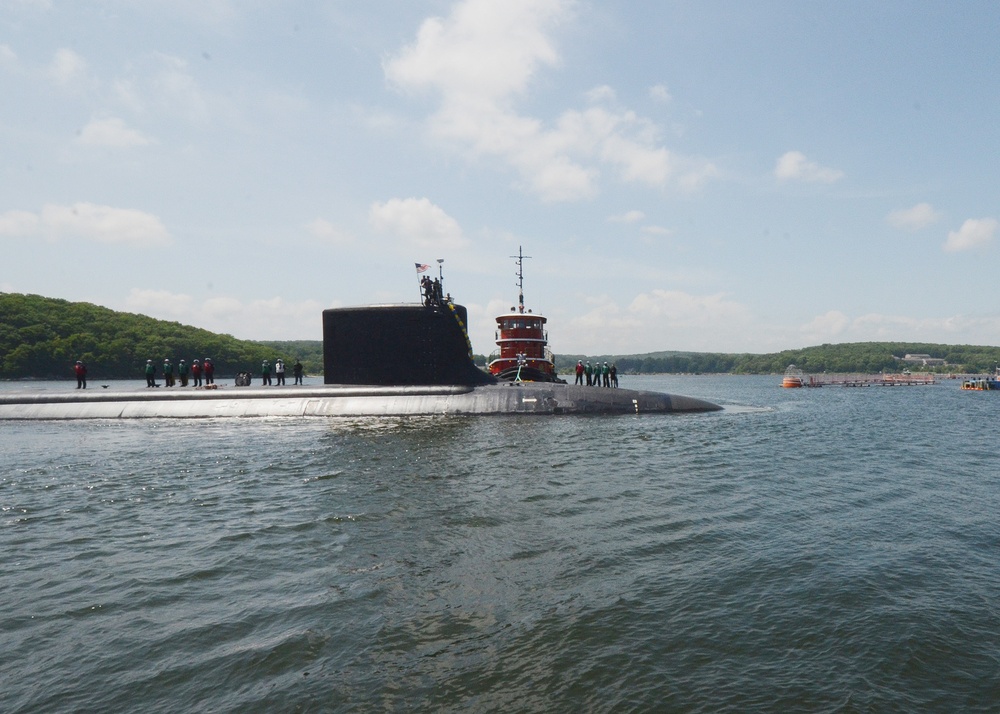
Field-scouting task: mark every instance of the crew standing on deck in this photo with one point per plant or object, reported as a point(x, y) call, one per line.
point(209, 369)
point(80, 369)
point(265, 373)
point(279, 372)
point(168, 373)
point(150, 373)
point(297, 371)
point(196, 373)
point(182, 372)
point(428, 290)
point(579, 372)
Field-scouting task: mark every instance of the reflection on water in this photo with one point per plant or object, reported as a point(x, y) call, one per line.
point(806, 550)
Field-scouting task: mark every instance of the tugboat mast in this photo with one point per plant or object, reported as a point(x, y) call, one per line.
point(520, 278)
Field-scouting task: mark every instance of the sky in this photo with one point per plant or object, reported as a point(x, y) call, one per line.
point(696, 175)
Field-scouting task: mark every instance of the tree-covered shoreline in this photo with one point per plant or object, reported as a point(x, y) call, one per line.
point(41, 338)
point(844, 358)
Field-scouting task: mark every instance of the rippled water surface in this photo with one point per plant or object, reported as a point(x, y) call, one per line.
point(804, 550)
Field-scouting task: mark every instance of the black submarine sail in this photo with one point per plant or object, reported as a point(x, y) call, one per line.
point(401, 344)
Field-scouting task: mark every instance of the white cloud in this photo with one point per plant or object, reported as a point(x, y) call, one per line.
point(164, 84)
point(200, 12)
point(484, 51)
point(604, 93)
point(974, 233)
point(8, 58)
point(67, 68)
point(659, 93)
point(481, 59)
point(835, 326)
point(696, 175)
point(263, 319)
point(19, 224)
point(637, 161)
point(176, 88)
point(222, 308)
point(418, 222)
point(160, 304)
point(102, 224)
point(673, 308)
point(656, 320)
point(793, 166)
point(913, 219)
point(111, 132)
point(327, 232)
point(877, 327)
point(38, 4)
point(824, 327)
point(656, 231)
point(628, 217)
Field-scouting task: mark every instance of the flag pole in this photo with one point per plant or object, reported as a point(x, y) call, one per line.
point(421, 268)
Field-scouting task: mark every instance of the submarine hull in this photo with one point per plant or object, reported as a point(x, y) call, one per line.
point(349, 401)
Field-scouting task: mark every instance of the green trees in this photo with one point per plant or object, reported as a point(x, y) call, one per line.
point(857, 357)
point(43, 337)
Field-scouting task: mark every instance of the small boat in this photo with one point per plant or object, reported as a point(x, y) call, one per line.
point(523, 354)
point(793, 377)
point(983, 384)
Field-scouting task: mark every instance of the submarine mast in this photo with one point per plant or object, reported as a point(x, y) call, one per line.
point(520, 278)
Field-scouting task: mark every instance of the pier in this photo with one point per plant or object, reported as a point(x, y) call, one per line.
point(868, 380)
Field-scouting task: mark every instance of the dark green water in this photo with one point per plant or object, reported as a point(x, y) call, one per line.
point(804, 550)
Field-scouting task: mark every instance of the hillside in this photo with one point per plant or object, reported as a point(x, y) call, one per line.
point(43, 337)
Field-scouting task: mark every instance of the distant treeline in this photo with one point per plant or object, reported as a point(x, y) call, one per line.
point(855, 357)
point(43, 337)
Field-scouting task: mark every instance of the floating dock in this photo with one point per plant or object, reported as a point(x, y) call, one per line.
point(868, 380)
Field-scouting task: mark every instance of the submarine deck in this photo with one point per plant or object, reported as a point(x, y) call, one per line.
point(346, 400)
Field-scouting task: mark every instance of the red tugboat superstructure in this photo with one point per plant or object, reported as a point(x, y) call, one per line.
point(523, 354)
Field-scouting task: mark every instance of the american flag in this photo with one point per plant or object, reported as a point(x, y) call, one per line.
point(421, 267)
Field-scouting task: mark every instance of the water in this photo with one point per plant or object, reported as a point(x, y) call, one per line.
point(804, 550)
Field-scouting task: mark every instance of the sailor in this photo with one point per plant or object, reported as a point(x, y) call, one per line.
point(589, 371)
point(279, 372)
point(150, 373)
point(428, 290)
point(297, 371)
point(606, 374)
point(265, 373)
point(182, 372)
point(209, 370)
point(196, 372)
point(579, 372)
point(614, 375)
point(80, 369)
point(168, 373)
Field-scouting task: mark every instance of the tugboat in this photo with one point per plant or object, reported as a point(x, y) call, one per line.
point(793, 377)
point(523, 354)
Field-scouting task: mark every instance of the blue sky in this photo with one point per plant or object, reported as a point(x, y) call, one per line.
point(707, 176)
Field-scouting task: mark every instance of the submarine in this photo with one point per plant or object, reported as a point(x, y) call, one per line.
point(378, 360)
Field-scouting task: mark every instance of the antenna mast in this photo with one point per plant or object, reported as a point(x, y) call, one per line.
point(520, 278)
